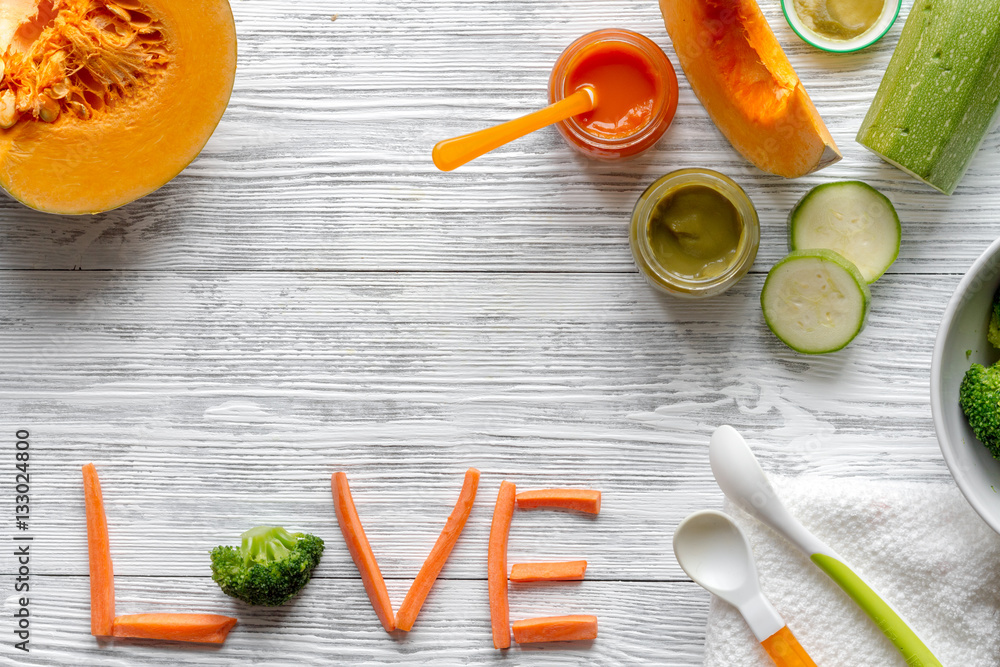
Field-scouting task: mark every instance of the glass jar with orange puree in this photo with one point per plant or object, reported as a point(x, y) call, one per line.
point(636, 93)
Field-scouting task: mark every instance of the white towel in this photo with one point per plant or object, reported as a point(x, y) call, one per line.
point(921, 546)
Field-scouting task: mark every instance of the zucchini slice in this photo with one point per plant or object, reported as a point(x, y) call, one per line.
point(851, 218)
point(815, 301)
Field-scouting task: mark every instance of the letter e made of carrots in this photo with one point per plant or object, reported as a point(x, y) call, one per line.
point(576, 627)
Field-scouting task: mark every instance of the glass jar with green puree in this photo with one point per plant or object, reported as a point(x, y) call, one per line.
point(694, 233)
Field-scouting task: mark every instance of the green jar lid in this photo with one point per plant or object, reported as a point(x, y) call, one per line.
point(885, 21)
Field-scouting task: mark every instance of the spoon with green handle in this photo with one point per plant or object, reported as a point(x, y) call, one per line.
point(743, 481)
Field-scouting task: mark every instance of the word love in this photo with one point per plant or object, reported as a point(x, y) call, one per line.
point(546, 629)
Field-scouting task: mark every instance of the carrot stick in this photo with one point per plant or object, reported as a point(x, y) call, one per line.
point(432, 567)
point(555, 629)
point(496, 562)
point(569, 571)
point(202, 628)
point(581, 500)
point(102, 578)
point(361, 551)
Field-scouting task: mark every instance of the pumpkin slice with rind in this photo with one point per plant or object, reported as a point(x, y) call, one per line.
point(103, 102)
point(738, 70)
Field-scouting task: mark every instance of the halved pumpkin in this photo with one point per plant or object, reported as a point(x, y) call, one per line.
point(739, 72)
point(103, 102)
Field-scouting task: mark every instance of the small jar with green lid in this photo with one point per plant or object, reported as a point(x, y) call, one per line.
point(694, 233)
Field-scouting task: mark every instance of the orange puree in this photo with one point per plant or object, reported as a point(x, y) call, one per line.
point(636, 93)
point(626, 88)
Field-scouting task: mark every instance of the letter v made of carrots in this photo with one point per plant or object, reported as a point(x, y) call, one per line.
point(364, 558)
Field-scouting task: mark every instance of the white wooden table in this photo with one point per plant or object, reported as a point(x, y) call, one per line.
point(312, 295)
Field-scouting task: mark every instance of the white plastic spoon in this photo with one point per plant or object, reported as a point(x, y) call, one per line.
point(743, 481)
point(714, 552)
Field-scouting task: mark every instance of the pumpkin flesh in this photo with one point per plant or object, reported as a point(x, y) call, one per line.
point(738, 70)
point(102, 103)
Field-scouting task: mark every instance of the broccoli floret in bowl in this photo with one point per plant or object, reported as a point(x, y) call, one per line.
point(979, 396)
point(960, 424)
point(270, 566)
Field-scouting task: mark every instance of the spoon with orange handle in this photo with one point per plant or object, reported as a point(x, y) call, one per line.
point(452, 153)
point(715, 553)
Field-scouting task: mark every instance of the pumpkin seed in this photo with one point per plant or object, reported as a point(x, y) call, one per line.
point(59, 90)
point(81, 110)
point(119, 12)
point(48, 109)
point(8, 112)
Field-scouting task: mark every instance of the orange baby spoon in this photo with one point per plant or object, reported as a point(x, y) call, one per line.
point(455, 152)
point(714, 552)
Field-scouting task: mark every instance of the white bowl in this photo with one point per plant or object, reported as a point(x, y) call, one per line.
point(890, 12)
point(964, 328)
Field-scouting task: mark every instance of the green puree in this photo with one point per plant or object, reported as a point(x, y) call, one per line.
point(694, 232)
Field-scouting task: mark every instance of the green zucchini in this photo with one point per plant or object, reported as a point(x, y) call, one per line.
point(815, 301)
point(941, 91)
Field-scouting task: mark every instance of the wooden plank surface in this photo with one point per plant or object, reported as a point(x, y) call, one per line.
point(322, 160)
point(327, 623)
point(311, 296)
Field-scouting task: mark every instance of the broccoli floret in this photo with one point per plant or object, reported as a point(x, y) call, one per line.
point(979, 397)
point(993, 333)
point(270, 566)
